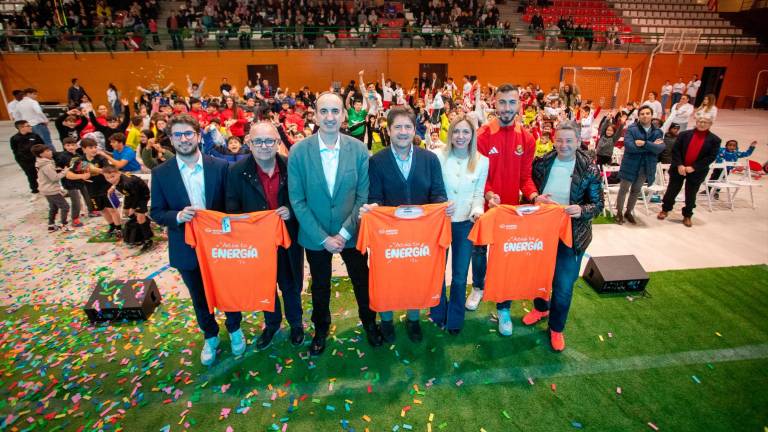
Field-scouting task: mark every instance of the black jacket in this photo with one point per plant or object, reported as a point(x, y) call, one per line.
point(388, 187)
point(245, 194)
point(21, 145)
point(136, 193)
point(586, 191)
point(707, 155)
point(108, 131)
point(65, 131)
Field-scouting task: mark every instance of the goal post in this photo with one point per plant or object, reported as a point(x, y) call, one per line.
point(611, 83)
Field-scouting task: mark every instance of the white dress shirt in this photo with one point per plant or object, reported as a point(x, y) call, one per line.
point(29, 109)
point(330, 159)
point(12, 110)
point(194, 182)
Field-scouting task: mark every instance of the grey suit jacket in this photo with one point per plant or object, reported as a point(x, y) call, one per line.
point(319, 213)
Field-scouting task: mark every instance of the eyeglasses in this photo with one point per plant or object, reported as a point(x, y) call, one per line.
point(186, 134)
point(268, 142)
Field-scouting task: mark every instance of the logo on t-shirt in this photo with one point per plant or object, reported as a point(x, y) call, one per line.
point(231, 251)
point(525, 245)
point(493, 150)
point(406, 251)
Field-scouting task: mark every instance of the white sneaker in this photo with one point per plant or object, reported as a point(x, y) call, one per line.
point(473, 300)
point(237, 339)
point(505, 322)
point(65, 228)
point(208, 354)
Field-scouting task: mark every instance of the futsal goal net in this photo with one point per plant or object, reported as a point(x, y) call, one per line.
point(593, 83)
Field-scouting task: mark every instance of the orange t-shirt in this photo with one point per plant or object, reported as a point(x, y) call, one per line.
point(407, 255)
point(238, 257)
point(522, 249)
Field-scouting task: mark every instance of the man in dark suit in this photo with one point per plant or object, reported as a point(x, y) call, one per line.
point(693, 153)
point(260, 183)
point(181, 186)
point(328, 183)
point(404, 174)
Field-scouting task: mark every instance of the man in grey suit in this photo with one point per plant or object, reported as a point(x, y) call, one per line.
point(327, 184)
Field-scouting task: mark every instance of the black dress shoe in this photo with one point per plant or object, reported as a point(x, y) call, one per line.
point(297, 336)
point(454, 332)
point(373, 333)
point(631, 219)
point(318, 345)
point(414, 330)
point(265, 339)
point(388, 331)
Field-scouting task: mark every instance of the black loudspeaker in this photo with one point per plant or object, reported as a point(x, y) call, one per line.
point(619, 273)
point(122, 299)
point(53, 110)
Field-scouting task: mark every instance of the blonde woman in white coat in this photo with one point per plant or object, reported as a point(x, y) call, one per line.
point(680, 114)
point(465, 171)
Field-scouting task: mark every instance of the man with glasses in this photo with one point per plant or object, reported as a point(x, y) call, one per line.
point(260, 183)
point(328, 183)
point(182, 185)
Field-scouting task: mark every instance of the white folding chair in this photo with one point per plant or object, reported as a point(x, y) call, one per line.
point(741, 176)
point(659, 186)
point(715, 185)
point(608, 188)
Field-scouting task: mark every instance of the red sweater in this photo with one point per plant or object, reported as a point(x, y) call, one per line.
point(510, 152)
point(237, 129)
point(694, 147)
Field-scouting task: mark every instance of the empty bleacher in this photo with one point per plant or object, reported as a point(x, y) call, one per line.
point(655, 17)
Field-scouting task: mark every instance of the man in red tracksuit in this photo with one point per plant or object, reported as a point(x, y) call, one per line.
point(510, 151)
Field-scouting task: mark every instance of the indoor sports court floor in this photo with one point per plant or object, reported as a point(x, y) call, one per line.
point(690, 355)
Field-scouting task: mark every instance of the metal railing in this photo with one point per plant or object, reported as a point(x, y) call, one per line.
point(38, 41)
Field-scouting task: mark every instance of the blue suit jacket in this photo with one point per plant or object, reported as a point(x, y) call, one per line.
point(388, 187)
point(169, 196)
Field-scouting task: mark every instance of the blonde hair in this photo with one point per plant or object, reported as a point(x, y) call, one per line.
point(471, 148)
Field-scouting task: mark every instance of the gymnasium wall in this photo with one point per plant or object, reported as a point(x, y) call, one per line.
point(51, 73)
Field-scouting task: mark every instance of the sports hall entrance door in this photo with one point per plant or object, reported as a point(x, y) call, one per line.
point(711, 82)
point(268, 72)
point(441, 69)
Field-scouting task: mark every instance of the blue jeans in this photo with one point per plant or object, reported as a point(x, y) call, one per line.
point(42, 130)
point(664, 99)
point(676, 98)
point(450, 312)
point(117, 108)
point(479, 266)
point(413, 315)
point(291, 291)
point(566, 272)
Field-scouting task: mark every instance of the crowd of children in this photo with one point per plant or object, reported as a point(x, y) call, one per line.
point(98, 145)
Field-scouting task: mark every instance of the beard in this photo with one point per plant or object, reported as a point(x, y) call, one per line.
point(186, 150)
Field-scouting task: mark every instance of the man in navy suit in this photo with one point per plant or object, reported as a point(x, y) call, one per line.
point(404, 174)
point(181, 186)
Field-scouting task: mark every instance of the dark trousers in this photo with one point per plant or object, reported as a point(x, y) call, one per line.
point(692, 183)
point(566, 272)
point(291, 291)
point(57, 203)
point(31, 172)
point(320, 270)
point(479, 267)
point(205, 319)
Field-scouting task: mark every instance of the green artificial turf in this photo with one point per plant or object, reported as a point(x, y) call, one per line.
point(689, 356)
